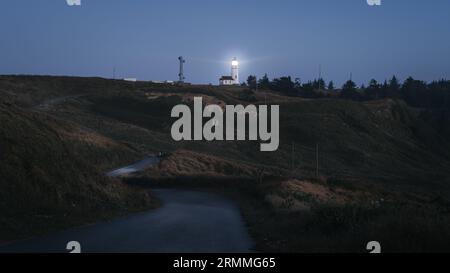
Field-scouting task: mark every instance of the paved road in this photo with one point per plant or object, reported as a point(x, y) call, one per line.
point(188, 222)
point(136, 167)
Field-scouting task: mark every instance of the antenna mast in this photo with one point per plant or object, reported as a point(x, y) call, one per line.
point(181, 77)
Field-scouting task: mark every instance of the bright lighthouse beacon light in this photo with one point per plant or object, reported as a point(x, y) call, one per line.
point(234, 63)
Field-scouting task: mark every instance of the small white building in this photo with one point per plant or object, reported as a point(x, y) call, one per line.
point(226, 80)
point(130, 79)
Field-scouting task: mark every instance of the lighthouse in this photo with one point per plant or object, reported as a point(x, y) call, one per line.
point(235, 71)
point(234, 78)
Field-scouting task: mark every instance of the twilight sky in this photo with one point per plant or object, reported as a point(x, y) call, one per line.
point(143, 38)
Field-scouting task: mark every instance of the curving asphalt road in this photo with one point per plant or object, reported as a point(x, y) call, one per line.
point(136, 167)
point(188, 222)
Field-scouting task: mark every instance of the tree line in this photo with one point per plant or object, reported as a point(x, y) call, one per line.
point(416, 93)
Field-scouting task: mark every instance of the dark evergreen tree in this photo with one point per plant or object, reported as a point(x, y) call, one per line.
point(307, 90)
point(349, 86)
point(349, 91)
point(264, 82)
point(394, 85)
point(321, 84)
point(284, 85)
point(394, 88)
point(415, 93)
point(373, 84)
point(373, 90)
point(331, 86)
point(251, 82)
point(384, 89)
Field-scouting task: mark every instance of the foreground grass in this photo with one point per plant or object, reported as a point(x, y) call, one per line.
point(15, 225)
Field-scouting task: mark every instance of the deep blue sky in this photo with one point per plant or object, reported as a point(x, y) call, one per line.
point(143, 38)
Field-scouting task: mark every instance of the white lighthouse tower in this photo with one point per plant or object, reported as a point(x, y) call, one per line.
point(235, 71)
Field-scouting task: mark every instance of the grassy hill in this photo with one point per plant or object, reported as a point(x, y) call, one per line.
point(62, 133)
point(52, 174)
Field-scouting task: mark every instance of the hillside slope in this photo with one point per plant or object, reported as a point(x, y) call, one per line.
point(51, 175)
point(378, 141)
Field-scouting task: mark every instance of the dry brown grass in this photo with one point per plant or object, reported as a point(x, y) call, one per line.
point(297, 195)
point(187, 98)
point(188, 163)
point(85, 136)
